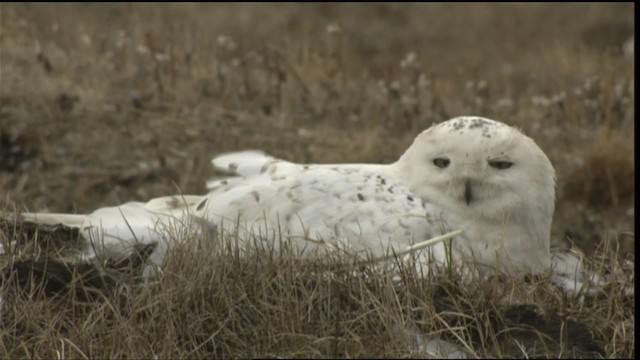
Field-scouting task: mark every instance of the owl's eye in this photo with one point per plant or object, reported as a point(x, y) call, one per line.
point(441, 162)
point(500, 164)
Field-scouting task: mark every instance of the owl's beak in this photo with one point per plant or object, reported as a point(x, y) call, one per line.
point(468, 194)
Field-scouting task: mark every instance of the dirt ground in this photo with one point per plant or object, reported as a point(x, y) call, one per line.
point(106, 103)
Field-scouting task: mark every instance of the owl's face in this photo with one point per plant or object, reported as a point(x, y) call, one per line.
point(480, 164)
point(483, 174)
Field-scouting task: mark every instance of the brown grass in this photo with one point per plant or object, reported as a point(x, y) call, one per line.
point(214, 300)
point(106, 103)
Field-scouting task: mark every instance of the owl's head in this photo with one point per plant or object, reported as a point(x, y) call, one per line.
point(482, 171)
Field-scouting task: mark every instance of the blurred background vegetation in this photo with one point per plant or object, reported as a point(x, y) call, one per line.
point(106, 103)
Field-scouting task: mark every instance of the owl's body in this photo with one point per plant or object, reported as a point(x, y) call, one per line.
point(469, 173)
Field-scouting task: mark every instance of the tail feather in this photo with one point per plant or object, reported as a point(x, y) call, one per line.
point(68, 220)
point(115, 232)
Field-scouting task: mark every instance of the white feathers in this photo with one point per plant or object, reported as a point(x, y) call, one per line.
point(70, 220)
point(471, 174)
point(571, 273)
point(243, 163)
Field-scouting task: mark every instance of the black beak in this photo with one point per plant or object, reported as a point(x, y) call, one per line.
point(468, 195)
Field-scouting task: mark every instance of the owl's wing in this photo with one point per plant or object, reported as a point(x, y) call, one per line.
point(352, 207)
point(359, 206)
point(243, 163)
point(246, 164)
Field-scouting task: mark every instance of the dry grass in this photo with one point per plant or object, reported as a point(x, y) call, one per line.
point(106, 103)
point(213, 299)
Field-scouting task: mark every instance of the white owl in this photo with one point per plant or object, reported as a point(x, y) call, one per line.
point(469, 173)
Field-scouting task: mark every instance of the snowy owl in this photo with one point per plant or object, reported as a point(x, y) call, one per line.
point(472, 174)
